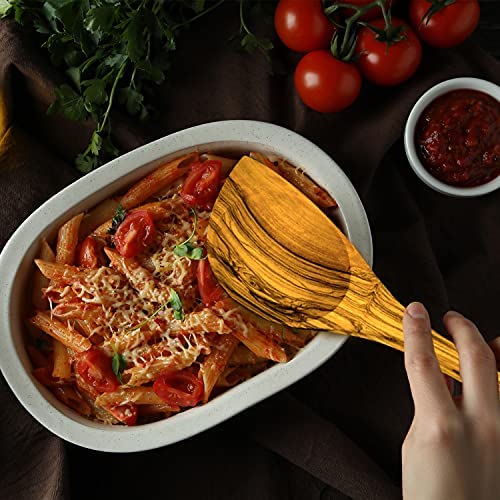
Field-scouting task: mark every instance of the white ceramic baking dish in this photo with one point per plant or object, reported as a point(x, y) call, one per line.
point(16, 266)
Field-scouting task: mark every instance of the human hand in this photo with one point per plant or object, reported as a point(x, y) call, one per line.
point(452, 450)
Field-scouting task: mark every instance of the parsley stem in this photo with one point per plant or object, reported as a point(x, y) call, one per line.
point(195, 225)
point(149, 318)
point(111, 96)
point(88, 63)
point(201, 14)
point(242, 18)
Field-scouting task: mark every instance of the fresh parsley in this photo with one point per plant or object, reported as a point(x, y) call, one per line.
point(186, 248)
point(249, 41)
point(118, 364)
point(113, 53)
point(118, 218)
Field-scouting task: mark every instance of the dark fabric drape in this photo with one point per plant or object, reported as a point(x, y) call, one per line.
point(337, 433)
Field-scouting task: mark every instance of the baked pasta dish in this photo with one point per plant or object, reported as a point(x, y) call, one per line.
point(129, 324)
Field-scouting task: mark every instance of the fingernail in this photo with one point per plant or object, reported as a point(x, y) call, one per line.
point(416, 310)
point(453, 314)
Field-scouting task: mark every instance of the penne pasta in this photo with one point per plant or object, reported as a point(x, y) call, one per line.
point(39, 280)
point(260, 344)
point(215, 363)
point(60, 331)
point(63, 273)
point(242, 355)
point(157, 180)
point(136, 395)
point(62, 367)
point(301, 181)
point(98, 216)
point(67, 240)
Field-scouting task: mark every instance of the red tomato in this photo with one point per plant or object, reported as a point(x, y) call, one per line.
point(447, 27)
point(135, 233)
point(210, 290)
point(302, 26)
point(181, 388)
point(95, 368)
point(90, 253)
point(326, 84)
point(202, 184)
point(126, 413)
point(372, 13)
point(388, 65)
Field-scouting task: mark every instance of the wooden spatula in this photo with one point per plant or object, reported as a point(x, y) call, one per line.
point(280, 256)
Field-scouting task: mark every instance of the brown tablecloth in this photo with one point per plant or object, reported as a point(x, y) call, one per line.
point(336, 434)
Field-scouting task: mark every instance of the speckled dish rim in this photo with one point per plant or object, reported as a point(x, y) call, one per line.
point(433, 93)
point(16, 266)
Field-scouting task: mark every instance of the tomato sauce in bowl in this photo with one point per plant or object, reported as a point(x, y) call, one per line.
point(457, 138)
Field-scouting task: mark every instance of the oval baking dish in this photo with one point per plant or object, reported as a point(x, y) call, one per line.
point(16, 267)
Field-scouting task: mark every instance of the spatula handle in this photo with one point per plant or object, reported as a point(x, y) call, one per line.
point(385, 326)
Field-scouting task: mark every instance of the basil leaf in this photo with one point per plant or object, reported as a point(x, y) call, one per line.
point(118, 364)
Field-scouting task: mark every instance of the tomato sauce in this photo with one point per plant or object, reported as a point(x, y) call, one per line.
point(458, 138)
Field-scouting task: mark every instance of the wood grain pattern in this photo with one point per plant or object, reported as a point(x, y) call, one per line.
point(279, 255)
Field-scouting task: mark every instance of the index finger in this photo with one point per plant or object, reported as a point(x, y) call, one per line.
point(427, 384)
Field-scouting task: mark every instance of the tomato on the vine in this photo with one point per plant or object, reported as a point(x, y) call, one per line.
point(444, 25)
point(302, 26)
point(388, 63)
point(325, 83)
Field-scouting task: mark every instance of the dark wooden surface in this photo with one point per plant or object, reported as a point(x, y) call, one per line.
point(488, 32)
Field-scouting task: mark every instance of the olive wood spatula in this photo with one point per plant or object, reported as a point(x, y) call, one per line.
point(276, 253)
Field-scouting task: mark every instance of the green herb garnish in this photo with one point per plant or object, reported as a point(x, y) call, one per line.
point(118, 218)
point(176, 303)
point(186, 248)
point(118, 364)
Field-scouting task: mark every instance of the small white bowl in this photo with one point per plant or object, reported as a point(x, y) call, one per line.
point(16, 266)
point(411, 152)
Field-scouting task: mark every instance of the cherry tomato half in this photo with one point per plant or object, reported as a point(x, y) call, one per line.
point(388, 65)
point(181, 388)
point(95, 368)
point(449, 26)
point(210, 290)
point(90, 253)
point(302, 26)
point(126, 413)
point(135, 233)
point(326, 84)
point(202, 184)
